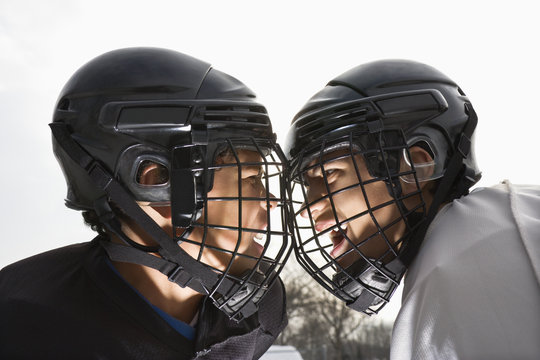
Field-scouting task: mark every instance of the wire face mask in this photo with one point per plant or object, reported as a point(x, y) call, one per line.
point(353, 211)
point(239, 229)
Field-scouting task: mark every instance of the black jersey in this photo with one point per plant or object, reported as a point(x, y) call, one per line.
point(69, 304)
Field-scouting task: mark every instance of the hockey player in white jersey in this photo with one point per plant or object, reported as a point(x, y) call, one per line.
point(381, 163)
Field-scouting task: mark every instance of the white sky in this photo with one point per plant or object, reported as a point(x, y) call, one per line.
point(283, 50)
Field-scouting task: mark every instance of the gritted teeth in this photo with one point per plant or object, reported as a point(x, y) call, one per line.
point(336, 229)
point(258, 237)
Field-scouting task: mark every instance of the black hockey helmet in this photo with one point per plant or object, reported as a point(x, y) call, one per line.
point(132, 106)
point(379, 110)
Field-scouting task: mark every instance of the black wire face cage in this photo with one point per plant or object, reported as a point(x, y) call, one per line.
point(353, 213)
point(240, 229)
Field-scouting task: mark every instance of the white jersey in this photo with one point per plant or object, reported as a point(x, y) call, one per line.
point(473, 292)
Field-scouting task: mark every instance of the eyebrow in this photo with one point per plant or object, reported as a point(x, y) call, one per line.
point(326, 159)
point(258, 168)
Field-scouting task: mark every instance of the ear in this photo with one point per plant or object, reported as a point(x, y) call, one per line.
point(423, 164)
point(420, 156)
point(151, 173)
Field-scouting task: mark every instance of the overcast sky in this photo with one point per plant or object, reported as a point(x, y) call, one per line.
point(283, 50)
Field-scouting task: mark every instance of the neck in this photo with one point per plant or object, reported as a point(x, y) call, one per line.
point(180, 303)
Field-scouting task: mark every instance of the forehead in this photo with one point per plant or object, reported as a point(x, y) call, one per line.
point(248, 155)
point(244, 156)
point(337, 156)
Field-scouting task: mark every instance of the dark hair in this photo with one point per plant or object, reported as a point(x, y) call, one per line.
point(92, 220)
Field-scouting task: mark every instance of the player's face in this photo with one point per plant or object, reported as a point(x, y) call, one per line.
point(225, 214)
point(361, 211)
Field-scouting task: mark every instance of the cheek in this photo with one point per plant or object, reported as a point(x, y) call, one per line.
point(377, 193)
point(350, 202)
point(225, 186)
point(222, 213)
point(227, 211)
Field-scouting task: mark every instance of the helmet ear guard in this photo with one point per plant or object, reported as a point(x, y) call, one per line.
point(132, 162)
point(424, 168)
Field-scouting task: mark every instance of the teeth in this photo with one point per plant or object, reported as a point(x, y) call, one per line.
point(259, 236)
point(343, 227)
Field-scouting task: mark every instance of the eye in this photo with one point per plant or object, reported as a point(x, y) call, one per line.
point(255, 175)
point(329, 172)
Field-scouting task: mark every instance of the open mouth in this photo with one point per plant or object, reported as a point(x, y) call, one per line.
point(258, 243)
point(259, 238)
point(339, 240)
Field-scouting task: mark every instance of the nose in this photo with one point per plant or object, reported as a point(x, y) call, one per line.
point(313, 196)
point(272, 203)
point(314, 208)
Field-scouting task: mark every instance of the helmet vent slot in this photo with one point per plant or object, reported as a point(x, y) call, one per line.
point(148, 116)
point(63, 104)
point(236, 114)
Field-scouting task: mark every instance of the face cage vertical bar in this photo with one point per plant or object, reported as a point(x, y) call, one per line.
point(399, 199)
point(394, 194)
point(268, 208)
point(311, 221)
point(203, 242)
point(305, 260)
point(268, 280)
point(380, 231)
point(370, 211)
point(274, 263)
point(330, 195)
point(239, 227)
point(266, 195)
point(284, 207)
point(257, 264)
point(418, 192)
point(205, 212)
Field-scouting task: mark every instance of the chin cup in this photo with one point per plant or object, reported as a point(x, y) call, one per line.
point(247, 294)
point(364, 284)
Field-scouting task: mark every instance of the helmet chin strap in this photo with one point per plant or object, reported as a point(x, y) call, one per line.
point(174, 262)
point(110, 221)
